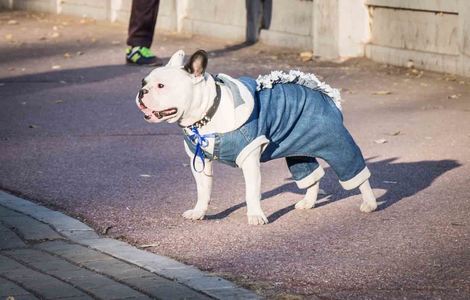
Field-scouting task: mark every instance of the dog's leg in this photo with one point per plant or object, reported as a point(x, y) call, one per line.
point(369, 203)
point(252, 174)
point(310, 197)
point(204, 188)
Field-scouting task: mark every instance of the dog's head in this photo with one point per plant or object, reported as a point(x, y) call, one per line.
point(167, 91)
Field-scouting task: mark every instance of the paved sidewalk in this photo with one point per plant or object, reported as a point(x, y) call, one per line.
point(45, 254)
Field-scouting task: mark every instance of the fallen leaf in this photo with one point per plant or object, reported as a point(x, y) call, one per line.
point(67, 55)
point(450, 78)
point(106, 229)
point(33, 126)
point(410, 64)
point(12, 22)
point(59, 101)
point(457, 224)
point(55, 35)
point(381, 93)
point(306, 55)
point(79, 53)
point(145, 175)
point(56, 67)
point(43, 38)
point(380, 141)
point(395, 133)
point(453, 97)
point(148, 245)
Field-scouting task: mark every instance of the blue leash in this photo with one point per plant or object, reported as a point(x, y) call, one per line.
point(201, 141)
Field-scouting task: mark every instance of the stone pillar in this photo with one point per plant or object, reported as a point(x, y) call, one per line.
point(464, 37)
point(340, 28)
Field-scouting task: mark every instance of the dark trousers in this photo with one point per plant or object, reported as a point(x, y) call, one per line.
point(142, 23)
point(258, 16)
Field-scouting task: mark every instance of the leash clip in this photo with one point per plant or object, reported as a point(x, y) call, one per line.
point(201, 142)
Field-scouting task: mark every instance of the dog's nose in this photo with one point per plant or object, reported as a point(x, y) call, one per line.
point(142, 92)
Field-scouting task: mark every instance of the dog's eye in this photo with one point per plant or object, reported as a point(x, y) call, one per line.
point(160, 85)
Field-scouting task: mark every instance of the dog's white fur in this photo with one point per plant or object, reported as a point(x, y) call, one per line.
point(173, 87)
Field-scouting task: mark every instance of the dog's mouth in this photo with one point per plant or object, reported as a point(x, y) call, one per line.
point(163, 113)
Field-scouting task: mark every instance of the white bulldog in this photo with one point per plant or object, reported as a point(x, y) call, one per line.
point(185, 94)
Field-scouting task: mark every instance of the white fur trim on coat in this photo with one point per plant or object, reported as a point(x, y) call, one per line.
point(294, 76)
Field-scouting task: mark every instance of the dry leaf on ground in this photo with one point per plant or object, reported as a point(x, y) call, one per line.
point(306, 56)
point(380, 141)
point(12, 22)
point(381, 93)
point(395, 133)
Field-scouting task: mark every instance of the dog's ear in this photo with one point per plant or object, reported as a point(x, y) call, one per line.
point(197, 63)
point(176, 59)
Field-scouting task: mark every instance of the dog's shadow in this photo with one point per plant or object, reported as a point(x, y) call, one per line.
point(400, 180)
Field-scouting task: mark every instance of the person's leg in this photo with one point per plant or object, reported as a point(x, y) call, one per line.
point(142, 22)
point(253, 20)
point(307, 173)
point(141, 30)
point(267, 14)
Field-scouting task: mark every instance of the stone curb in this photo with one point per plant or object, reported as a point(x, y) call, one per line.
point(80, 233)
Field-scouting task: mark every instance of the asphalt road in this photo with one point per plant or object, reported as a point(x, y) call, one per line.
point(72, 138)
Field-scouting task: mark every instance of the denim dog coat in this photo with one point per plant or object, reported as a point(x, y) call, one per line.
point(296, 119)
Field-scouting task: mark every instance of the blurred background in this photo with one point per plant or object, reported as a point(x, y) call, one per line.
point(432, 34)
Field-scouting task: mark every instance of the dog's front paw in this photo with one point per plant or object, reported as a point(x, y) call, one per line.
point(259, 219)
point(193, 214)
point(368, 206)
point(305, 204)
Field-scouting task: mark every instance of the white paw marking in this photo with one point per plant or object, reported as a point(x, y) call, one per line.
point(368, 207)
point(259, 219)
point(305, 204)
point(193, 214)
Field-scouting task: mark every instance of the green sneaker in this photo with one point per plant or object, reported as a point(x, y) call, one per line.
point(141, 56)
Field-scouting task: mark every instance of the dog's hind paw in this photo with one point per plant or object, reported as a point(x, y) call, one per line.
point(368, 207)
point(305, 204)
point(257, 219)
point(193, 214)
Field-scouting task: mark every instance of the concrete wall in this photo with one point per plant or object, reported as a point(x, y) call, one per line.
point(291, 24)
point(434, 34)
